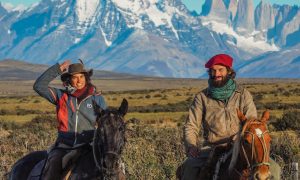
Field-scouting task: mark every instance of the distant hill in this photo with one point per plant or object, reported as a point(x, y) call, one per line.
point(19, 70)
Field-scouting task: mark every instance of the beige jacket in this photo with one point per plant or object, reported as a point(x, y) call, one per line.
point(212, 122)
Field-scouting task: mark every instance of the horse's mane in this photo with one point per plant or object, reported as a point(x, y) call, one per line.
point(235, 151)
point(237, 142)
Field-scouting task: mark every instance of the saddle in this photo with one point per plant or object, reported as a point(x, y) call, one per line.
point(70, 158)
point(216, 158)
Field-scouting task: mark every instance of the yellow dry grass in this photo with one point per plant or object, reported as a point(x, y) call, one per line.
point(162, 92)
point(17, 119)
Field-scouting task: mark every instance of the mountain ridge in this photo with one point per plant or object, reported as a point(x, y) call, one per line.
point(11, 69)
point(109, 34)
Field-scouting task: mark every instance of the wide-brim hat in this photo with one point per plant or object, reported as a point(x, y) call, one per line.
point(75, 69)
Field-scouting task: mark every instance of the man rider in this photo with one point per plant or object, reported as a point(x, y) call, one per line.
point(212, 118)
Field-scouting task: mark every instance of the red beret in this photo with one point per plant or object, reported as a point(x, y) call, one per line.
point(222, 59)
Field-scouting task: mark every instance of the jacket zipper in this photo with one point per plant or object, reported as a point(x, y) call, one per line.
point(76, 118)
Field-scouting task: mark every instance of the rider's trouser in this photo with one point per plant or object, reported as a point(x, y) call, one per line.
point(53, 166)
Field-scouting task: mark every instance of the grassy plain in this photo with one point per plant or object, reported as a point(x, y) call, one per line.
point(157, 111)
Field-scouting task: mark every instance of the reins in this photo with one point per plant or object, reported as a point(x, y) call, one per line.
point(253, 150)
point(98, 148)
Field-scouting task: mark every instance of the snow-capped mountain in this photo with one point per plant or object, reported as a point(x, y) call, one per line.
point(244, 19)
point(153, 37)
point(283, 64)
point(3, 11)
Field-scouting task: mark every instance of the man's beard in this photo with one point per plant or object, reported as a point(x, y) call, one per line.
point(219, 83)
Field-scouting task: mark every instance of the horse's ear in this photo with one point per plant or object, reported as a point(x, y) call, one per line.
point(124, 107)
point(98, 110)
point(265, 117)
point(241, 116)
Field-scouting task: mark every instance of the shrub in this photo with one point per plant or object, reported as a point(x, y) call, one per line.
point(10, 125)
point(170, 107)
point(147, 96)
point(4, 112)
point(286, 93)
point(165, 97)
point(290, 120)
point(285, 149)
point(20, 111)
point(157, 95)
point(257, 97)
point(36, 101)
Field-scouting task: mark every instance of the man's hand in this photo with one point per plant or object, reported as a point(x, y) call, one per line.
point(193, 152)
point(64, 66)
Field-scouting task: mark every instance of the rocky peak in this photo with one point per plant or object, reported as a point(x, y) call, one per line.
point(264, 16)
point(285, 13)
point(231, 5)
point(244, 19)
point(215, 10)
point(286, 29)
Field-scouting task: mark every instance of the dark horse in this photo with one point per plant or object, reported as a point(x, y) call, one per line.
point(97, 161)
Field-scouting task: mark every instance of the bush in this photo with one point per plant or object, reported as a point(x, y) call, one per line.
point(36, 101)
point(10, 125)
point(157, 95)
point(153, 153)
point(290, 120)
point(257, 96)
point(286, 93)
point(4, 112)
point(285, 149)
point(181, 106)
point(20, 111)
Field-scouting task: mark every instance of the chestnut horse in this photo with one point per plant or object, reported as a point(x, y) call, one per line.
point(249, 154)
point(250, 151)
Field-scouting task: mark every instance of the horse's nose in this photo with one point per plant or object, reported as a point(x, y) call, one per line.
point(111, 161)
point(262, 176)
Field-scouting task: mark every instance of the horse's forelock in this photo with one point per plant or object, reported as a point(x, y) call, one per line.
point(108, 113)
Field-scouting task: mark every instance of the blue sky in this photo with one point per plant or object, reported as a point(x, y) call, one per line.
point(191, 4)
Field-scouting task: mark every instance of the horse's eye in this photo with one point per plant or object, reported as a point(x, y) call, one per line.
point(246, 142)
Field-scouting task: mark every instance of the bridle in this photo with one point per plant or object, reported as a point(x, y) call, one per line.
point(99, 151)
point(253, 150)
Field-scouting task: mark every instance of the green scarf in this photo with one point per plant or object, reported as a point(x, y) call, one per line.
point(221, 93)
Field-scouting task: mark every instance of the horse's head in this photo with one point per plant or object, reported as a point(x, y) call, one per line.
point(255, 145)
point(110, 137)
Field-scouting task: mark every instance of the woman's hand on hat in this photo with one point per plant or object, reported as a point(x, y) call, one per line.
point(64, 66)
